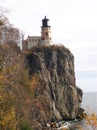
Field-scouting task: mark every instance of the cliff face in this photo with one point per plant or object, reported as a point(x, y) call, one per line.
point(56, 95)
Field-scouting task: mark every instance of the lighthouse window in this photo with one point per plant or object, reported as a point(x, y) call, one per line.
point(46, 33)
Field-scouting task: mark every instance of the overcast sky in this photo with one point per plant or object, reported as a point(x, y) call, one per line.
point(73, 23)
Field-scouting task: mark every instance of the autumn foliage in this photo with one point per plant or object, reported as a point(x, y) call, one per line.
point(91, 121)
point(13, 77)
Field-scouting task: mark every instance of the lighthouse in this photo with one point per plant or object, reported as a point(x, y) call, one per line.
point(45, 32)
point(43, 40)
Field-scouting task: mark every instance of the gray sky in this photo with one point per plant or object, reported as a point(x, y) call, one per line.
point(73, 23)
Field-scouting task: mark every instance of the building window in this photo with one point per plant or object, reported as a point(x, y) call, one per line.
point(35, 40)
point(29, 40)
point(32, 40)
point(46, 33)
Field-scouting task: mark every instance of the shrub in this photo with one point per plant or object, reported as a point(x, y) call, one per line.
point(90, 122)
point(25, 126)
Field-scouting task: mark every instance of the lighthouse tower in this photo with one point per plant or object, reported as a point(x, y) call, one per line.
point(45, 32)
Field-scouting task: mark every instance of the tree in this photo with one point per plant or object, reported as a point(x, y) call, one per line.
point(7, 110)
point(3, 18)
point(12, 71)
point(8, 33)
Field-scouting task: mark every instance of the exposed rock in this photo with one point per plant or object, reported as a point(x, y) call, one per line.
point(56, 95)
point(81, 113)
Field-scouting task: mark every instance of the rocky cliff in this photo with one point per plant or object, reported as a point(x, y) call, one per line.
point(55, 94)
